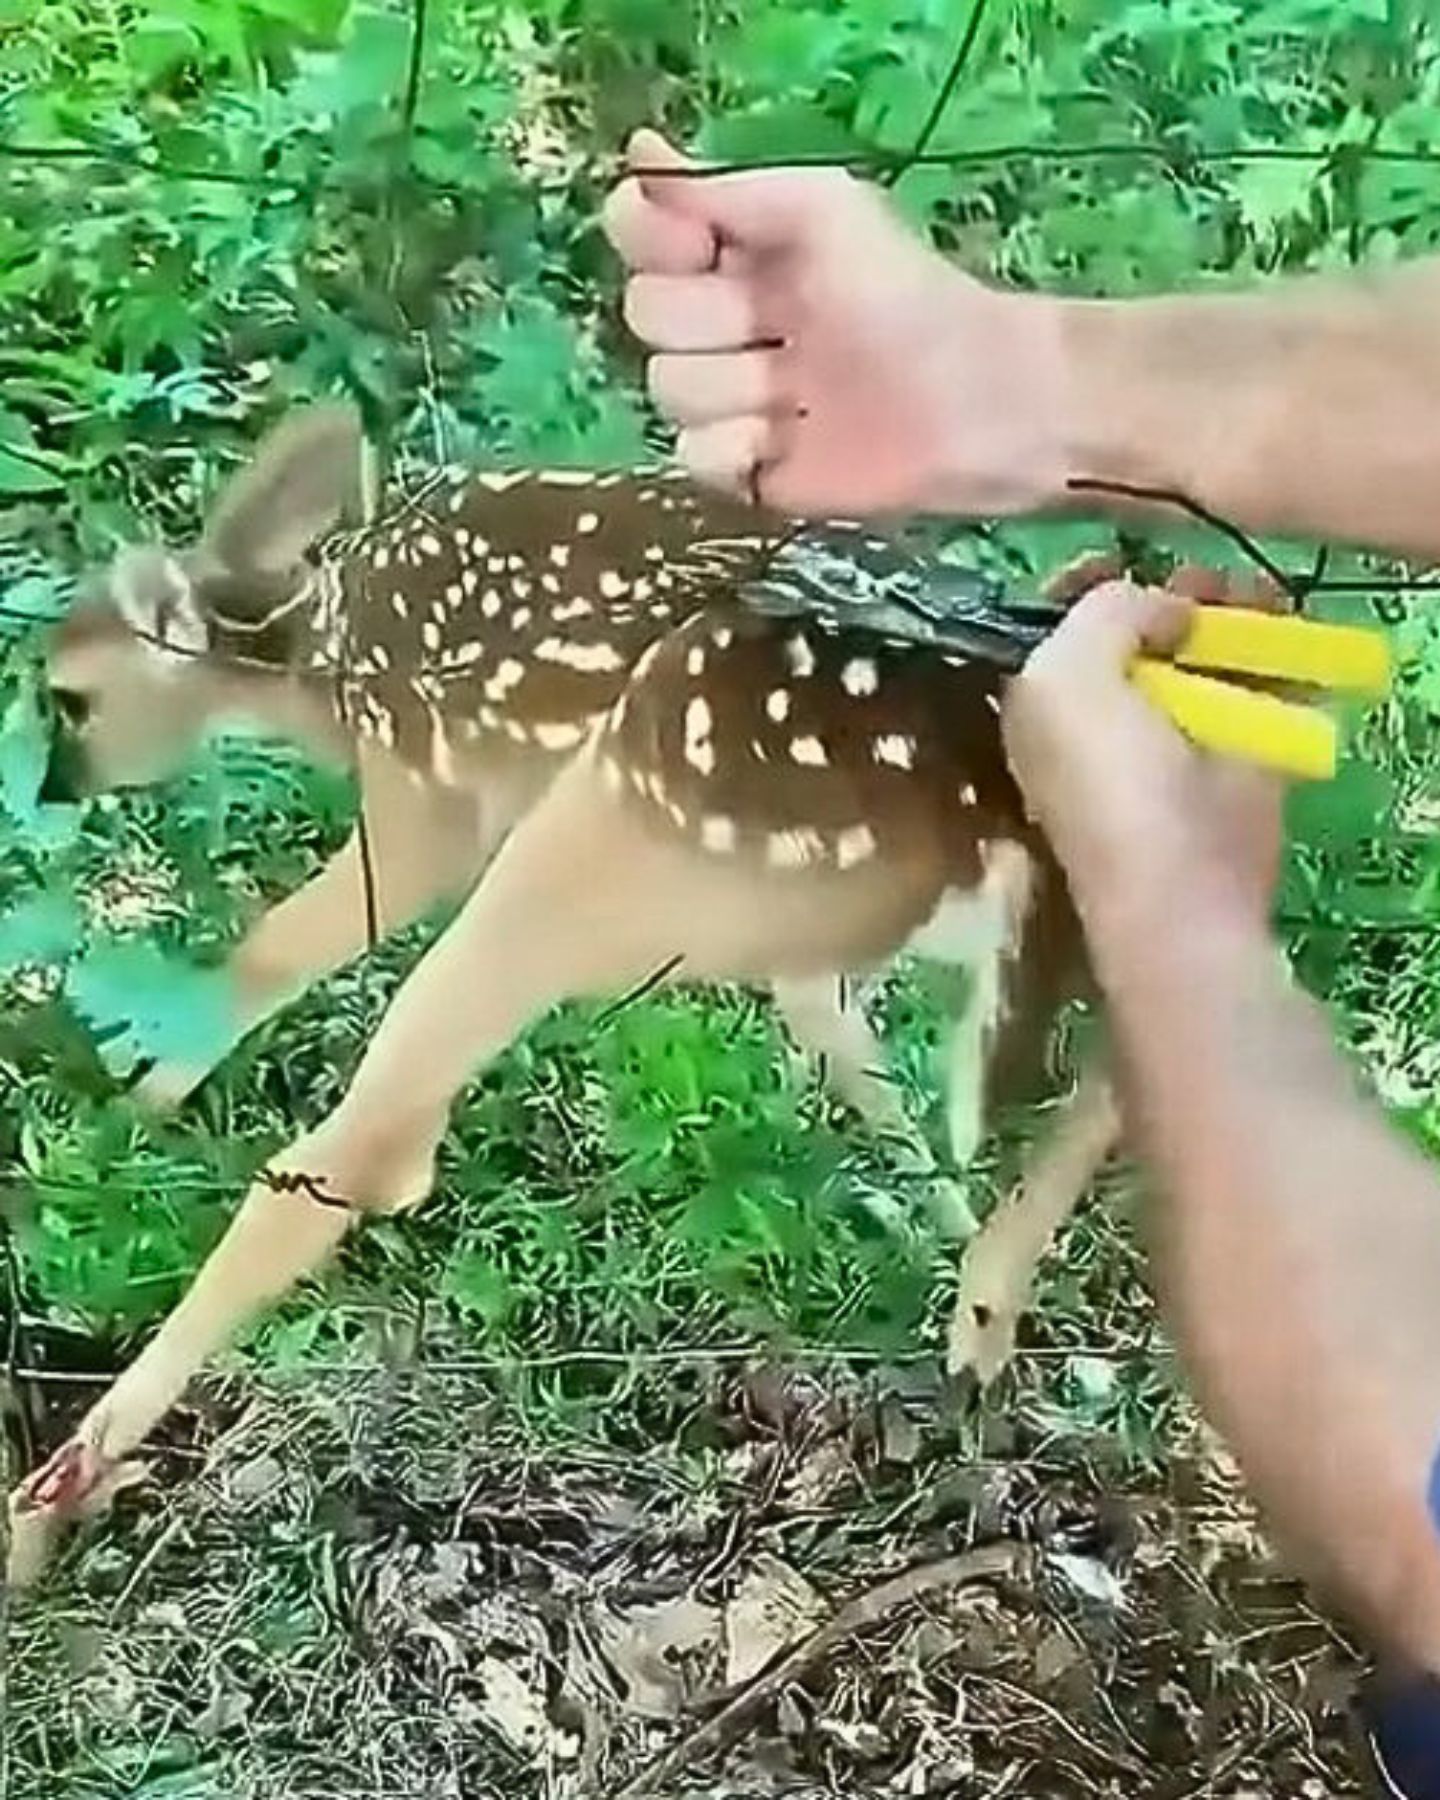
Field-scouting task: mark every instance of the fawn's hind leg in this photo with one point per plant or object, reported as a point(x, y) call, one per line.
point(827, 1020)
point(998, 1272)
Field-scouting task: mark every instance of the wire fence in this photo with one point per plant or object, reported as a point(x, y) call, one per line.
point(1178, 154)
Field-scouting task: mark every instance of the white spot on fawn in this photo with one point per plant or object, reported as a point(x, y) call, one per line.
point(560, 735)
point(381, 558)
point(613, 584)
point(793, 849)
point(695, 659)
point(860, 677)
point(967, 793)
point(428, 543)
point(491, 604)
point(800, 656)
point(520, 618)
point(718, 834)
point(722, 637)
point(777, 704)
point(430, 635)
point(587, 523)
point(699, 721)
point(856, 844)
point(809, 751)
point(593, 659)
point(509, 675)
point(896, 749)
point(399, 605)
point(572, 609)
point(560, 555)
point(497, 480)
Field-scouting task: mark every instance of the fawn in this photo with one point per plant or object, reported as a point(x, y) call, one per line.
point(567, 717)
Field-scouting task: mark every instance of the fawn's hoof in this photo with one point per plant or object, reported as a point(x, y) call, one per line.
point(76, 1483)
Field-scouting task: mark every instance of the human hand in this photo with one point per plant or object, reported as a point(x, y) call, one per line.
point(1149, 829)
point(818, 357)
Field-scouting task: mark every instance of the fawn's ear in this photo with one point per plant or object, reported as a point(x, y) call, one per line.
point(156, 599)
point(307, 478)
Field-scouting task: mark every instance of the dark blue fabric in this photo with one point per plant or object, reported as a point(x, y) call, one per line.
point(1402, 1726)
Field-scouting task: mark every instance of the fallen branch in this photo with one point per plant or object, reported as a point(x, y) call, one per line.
point(988, 1563)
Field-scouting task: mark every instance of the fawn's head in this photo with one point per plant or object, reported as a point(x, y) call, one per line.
point(163, 643)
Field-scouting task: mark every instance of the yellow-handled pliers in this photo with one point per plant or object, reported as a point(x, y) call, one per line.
point(1284, 735)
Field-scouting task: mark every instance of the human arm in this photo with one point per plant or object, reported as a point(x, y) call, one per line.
point(1297, 1237)
point(804, 336)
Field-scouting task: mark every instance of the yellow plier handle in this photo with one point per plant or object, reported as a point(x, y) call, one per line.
point(1279, 734)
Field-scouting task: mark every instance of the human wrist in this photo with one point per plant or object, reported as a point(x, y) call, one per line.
point(1161, 927)
point(1001, 365)
point(1116, 425)
point(1189, 394)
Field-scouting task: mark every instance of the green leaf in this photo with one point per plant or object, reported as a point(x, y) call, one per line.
point(42, 929)
point(1272, 193)
point(24, 752)
point(1342, 813)
point(474, 1283)
point(23, 469)
point(773, 133)
point(367, 73)
point(33, 597)
point(156, 1005)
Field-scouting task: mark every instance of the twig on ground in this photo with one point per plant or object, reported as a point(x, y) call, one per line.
point(987, 1563)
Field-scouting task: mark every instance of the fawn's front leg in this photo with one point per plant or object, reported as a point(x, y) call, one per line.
point(589, 895)
point(425, 844)
point(585, 897)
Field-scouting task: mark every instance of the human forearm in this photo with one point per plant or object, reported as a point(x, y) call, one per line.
point(1298, 1252)
point(1310, 409)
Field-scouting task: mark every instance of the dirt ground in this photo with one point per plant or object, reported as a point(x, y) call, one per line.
point(774, 1581)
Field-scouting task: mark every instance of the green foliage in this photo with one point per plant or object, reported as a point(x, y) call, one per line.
point(214, 207)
